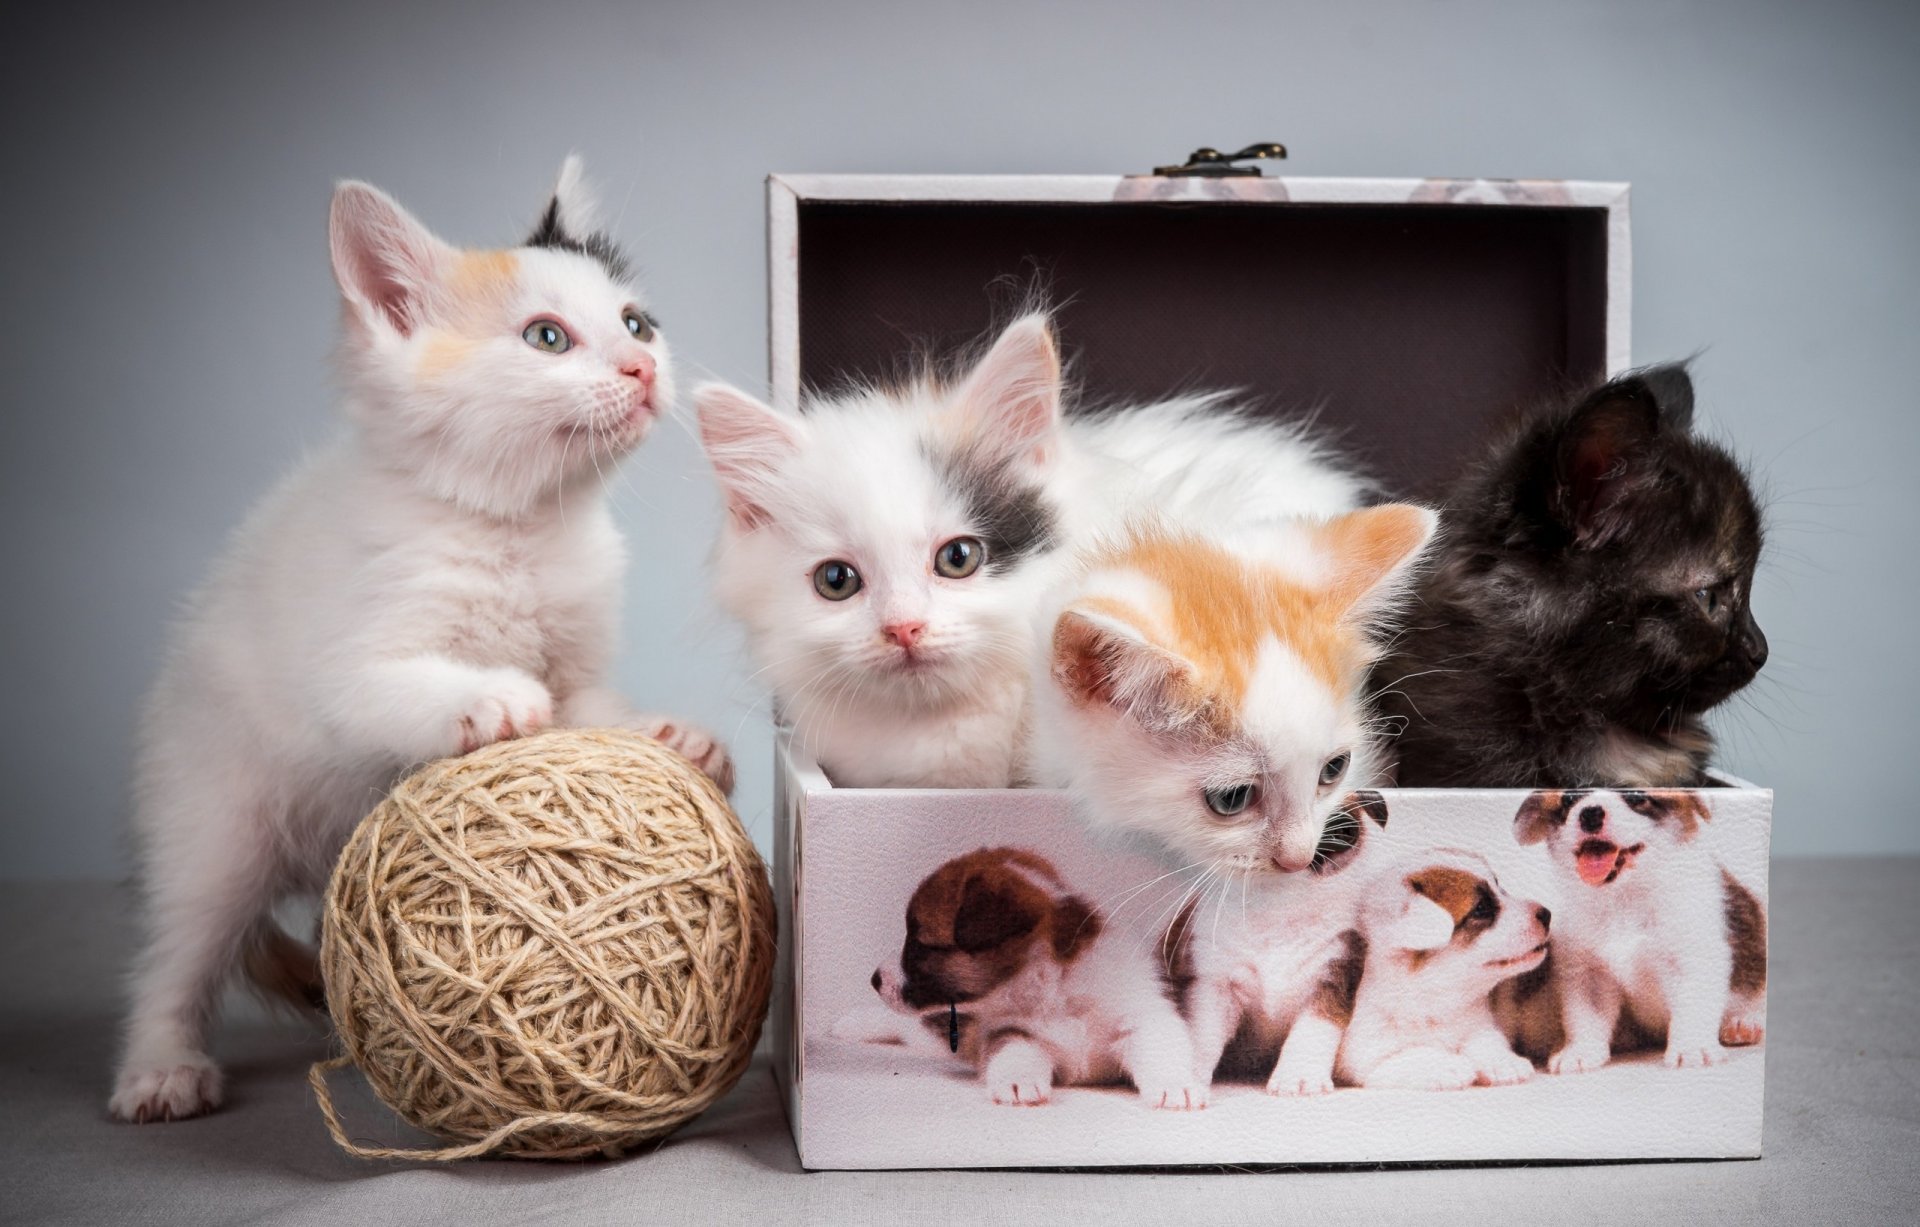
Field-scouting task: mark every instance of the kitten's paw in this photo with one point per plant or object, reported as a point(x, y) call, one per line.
point(693, 743)
point(1504, 1070)
point(1695, 1055)
point(1741, 1028)
point(187, 1085)
point(1294, 1083)
point(1580, 1058)
point(510, 705)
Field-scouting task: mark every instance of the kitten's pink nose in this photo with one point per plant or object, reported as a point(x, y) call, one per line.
point(640, 367)
point(906, 634)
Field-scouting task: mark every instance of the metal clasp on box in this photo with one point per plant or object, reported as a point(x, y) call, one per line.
point(1210, 163)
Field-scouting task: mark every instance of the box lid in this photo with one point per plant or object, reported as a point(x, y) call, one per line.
point(1407, 313)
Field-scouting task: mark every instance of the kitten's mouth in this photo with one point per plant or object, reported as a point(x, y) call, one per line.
point(915, 662)
point(1600, 861)
point(638, 417)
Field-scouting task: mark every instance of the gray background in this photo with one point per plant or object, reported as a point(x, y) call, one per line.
point(169, 313)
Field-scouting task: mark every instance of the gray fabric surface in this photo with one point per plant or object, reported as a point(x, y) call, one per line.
point(1842, 1131)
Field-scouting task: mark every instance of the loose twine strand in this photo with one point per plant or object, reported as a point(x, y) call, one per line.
point(553, 947)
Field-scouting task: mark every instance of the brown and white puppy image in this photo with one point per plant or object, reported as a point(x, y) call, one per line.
point(1441, 934)
point(1266, 979)
point(1655, 937)
point(1021, 978)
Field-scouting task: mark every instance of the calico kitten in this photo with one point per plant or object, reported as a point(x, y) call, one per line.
point(885, 551)
point(1591, 601)
point(445, 576)
point(1206, 695)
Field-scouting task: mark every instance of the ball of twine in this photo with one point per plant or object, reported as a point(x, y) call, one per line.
point(553, 947)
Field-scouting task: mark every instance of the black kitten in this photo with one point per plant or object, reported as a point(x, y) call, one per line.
point(1589, 600)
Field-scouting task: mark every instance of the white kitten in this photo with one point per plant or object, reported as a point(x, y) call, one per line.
point(445, 576)
point(886, 551)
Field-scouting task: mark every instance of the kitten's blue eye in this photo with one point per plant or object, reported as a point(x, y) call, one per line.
point(1334, 768)
point(641, 325)
point(1227, 802)
point(836, 580)
point(959, 557)
point(1708, 599)
point(548, 336)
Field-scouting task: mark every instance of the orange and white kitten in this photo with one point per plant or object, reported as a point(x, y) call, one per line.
point(1206, 694)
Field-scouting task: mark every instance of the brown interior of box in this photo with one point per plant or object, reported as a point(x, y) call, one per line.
point(1410, 327)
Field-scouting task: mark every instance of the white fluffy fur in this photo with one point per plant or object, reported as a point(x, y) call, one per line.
point(1422, 1018)
point(445, 575)
point(850, 480)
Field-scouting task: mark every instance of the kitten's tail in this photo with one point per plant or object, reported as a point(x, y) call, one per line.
point(283, 970)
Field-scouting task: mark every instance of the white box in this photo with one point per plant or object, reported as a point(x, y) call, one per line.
point(1408, 312)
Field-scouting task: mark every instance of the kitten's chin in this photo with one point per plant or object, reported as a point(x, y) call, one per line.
point(1717, 685)
point(612, 435)
point(921, 677)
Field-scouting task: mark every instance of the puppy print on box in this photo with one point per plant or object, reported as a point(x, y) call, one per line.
point(1412, 984)
point(1021, 980)
point(1266, 980)
point(1659, 944)
point(1441, 934)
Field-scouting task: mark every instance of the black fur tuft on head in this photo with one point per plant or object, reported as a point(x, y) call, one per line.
point(550, 233)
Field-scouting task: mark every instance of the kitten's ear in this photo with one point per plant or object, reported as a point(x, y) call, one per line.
point(748, 443)
point(1421, 925)
point(1374, 552)
point(572, 212)
point(1672, 389)
point(385, 261)
point(1598, 465)
point(1102, 661)
point(1012, 397)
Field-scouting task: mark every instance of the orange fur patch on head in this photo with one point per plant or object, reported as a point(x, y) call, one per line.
point(441, 352)
point(483, 276)
point(1220, 608)
point(476, 288)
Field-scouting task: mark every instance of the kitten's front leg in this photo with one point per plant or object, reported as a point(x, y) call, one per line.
point(427, 707)
point(1495, 1062)
point(1307, 1056)
point(602, 707)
